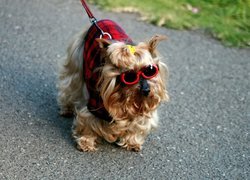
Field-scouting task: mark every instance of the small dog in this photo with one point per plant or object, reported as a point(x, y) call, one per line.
point(113, 86)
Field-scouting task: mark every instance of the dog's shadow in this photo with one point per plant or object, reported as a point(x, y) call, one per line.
point(37, 95)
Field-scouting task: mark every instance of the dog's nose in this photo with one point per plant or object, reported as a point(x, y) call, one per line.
point(144, 87)
point(146, 92)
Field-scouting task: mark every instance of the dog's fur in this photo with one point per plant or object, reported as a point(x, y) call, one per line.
point(133, 114)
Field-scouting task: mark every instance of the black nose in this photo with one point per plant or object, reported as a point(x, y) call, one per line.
point(146, 92)
point(144, 87)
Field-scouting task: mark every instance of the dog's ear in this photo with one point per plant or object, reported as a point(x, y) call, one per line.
point(103, 43)
point(153, 43)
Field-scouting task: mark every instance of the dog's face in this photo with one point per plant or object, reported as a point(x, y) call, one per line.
point(133, 80)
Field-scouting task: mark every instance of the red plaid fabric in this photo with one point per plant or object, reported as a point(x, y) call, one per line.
point(92, 60)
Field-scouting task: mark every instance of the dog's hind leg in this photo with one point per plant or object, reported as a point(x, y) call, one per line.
point(70, 80)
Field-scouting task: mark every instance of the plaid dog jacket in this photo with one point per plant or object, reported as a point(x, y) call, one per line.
point(92, 61)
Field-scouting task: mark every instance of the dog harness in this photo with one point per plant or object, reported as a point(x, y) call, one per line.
point(92, 61)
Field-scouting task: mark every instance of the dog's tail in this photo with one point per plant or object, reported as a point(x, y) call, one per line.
point(70, 80)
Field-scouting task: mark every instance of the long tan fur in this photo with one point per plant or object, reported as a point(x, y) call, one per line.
point(134, 115)
point(70, 80)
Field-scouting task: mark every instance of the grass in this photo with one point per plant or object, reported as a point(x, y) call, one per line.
point(226, 20)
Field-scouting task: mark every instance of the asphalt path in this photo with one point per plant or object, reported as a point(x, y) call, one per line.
point(204, 129)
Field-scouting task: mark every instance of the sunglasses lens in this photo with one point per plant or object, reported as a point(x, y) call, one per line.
point(129, 77)
point(150, 71)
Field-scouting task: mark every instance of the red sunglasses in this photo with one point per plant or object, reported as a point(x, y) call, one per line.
point(132, 77)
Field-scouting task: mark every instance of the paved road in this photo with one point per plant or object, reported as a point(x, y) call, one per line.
point(204, 130)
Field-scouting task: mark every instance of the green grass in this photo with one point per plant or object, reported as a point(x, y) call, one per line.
point(226, 20)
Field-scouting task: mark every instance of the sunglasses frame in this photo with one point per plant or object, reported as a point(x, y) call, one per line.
point(138, 74)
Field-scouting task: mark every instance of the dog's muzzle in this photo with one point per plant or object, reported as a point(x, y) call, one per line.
point(144, 87)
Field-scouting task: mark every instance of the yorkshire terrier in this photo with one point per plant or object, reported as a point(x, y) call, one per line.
point(113, 85)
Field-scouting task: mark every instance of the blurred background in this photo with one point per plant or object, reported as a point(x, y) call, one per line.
point(226, 20)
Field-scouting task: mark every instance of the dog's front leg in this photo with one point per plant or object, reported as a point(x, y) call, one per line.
point(132, 141)
point(83, 131)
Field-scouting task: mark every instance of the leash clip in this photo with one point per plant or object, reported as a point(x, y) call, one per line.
point(105, 33)
point(93, 20)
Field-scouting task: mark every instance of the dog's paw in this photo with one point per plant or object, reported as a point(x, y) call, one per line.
point(86, 144)
point(67, 112)
point(131, 147)
point(85, 148)
point(134, 147)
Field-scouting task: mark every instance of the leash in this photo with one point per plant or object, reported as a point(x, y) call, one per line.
point(93, 20)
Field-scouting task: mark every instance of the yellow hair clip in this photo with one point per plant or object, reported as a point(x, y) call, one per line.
point(131, 49)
